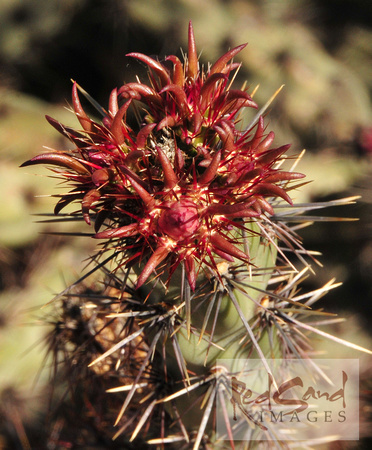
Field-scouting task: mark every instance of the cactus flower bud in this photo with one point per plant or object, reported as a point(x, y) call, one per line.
point(179, 220)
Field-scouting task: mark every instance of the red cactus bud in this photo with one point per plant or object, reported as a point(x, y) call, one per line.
point(271, 190)
point(178, 76)
point(209, 87)
point(190, 271)
point(228, 210)
point(84, 120)
point(143, 135)
point(167, 122)
point(179, 95)
point(283, 176)
point(154, 65)
point(265, 143)
point(211, 170)
point(269, 156)
point(147, 199)
point(224, 59)
point(88, 200)
point(117, 124)
point(170, 178)
point(101, 176)
point(58, 159)
point(192, 54)
point(156, 258)
point(179, 220)
point(186, 176)
point(220, 243)
point(258, 134)
point(126, 231)
point(113, 102)
point(139, 91)
point(68, 132)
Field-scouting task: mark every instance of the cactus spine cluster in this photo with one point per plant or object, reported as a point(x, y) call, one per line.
point(198, 256)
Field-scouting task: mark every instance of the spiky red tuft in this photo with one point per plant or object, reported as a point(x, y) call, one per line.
point(179, 187)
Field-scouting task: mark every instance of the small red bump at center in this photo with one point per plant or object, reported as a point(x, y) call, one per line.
point(180, 220)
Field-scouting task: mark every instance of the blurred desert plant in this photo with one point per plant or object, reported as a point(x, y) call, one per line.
point(31, 263)
point(26, 24)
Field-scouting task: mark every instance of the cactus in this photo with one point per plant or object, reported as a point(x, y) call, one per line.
point(199, 257)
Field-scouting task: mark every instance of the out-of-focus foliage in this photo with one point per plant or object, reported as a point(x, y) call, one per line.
point(32, 264)
point(23, 128)
point(321, 51)
point(25, 24)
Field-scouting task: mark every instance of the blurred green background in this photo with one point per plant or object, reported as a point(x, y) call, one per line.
point(321, 51)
